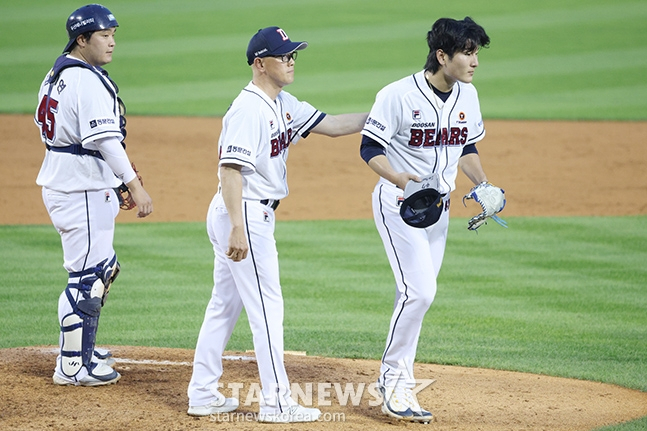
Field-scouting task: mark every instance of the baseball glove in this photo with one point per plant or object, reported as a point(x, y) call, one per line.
point(492, 201)
point(126, 201)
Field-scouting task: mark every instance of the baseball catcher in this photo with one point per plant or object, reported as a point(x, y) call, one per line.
point(81, 121)
point(492, 201)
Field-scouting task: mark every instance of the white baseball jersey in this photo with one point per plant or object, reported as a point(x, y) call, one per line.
point(256, 134)
point(259, 139)
point(422, 134)
point(65, 118)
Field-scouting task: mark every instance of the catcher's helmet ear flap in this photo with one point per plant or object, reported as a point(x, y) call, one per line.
point(422, 205)
point(87, 18)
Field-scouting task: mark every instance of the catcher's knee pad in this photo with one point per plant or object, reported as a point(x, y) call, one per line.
point(110, 272)
point(107, 271)
point(98, 279)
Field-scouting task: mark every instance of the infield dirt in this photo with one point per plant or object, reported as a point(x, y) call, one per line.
point(546, 168)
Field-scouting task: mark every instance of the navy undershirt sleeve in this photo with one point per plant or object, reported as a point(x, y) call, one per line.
point(370, 148)
point(469, 149)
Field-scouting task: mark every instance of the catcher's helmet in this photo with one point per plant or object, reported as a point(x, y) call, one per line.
point(87, 18)
point(422, 205)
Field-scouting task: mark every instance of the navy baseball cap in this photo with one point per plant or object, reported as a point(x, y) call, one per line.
point(271, 41)
point(422, 205)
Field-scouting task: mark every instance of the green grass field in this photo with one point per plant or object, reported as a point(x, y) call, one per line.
point(558, 296)
point(555, 59)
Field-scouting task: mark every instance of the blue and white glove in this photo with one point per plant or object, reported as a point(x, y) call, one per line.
point(492, 201)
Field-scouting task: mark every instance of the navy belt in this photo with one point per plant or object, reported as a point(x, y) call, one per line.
point(76, 149)
point(271, 203)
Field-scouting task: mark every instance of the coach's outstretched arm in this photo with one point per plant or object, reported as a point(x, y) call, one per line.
point(341, 124)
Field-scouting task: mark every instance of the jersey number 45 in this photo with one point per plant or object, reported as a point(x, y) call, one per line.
point(45, 117)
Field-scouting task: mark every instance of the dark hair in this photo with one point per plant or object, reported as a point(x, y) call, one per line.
point(454, 36)
point(86, 36)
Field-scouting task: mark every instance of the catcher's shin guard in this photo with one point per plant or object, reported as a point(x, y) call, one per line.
point(79, 328)
point(71, 344)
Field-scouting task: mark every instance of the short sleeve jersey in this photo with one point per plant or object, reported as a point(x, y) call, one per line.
point(420, 133)
point(79, 109)
point(257, 133)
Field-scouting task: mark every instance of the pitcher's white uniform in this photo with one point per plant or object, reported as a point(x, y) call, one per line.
point(421, 134)
point(256, 134)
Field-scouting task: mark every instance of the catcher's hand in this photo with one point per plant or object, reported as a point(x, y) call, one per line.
point(492, 201)
point(126, 201)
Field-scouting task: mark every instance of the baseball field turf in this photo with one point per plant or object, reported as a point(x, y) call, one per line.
point(563, 296)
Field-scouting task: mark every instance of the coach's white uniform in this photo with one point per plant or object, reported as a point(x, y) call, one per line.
point(421, 135)
point(256, 135)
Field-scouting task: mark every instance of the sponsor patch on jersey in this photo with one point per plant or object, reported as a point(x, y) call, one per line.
point(271, 124)
point(266, 217)
point(399, 200)
point(101, 122)
point(288, 116)
point(373, 122)
point(416, 114)
point(108, 199)
point(461, 116)
point(238, 150)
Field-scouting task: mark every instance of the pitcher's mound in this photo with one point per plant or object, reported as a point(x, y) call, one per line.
point(151, 395)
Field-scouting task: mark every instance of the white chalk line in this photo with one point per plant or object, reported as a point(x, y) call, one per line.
point(164, 362)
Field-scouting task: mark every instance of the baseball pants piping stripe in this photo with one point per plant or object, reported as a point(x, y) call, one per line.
point(87, 216)
point(390, 336)
point(260, 294)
